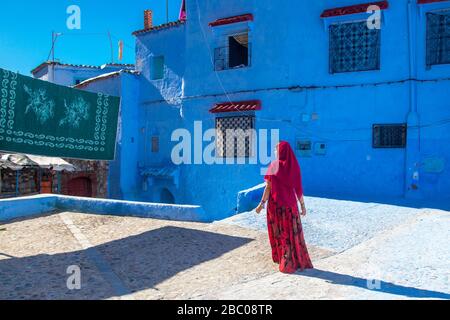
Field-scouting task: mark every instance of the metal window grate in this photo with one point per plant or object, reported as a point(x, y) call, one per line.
point(234, 136)
point(438, 38)
point(389, 135)
point(354, 47)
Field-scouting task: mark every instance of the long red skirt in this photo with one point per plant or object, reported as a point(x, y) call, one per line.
point(286, 238)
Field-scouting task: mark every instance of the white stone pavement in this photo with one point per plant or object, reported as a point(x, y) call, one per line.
point(383, 252)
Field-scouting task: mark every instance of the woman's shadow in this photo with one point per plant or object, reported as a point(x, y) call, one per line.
point(373, 285)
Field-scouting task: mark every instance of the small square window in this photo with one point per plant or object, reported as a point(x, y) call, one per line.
point(155, 144)
point(389, 135)
point(235, 55)
point(320, 148)
point(157, 71)
point(234, 137)
point(304, 147)
point(238, 51)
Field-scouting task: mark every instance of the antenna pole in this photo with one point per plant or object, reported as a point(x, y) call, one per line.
point(111, 45)
point(53, 46)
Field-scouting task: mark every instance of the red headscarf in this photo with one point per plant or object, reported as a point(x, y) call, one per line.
point(285, 177)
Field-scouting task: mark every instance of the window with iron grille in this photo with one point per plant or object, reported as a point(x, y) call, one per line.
point(234, 137)
point(389, 135)
point(438, 38)
point(354, 47)
point(235, 54)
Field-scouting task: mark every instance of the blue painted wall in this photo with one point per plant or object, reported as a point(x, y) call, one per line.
point(289, 73)
point(123, 177)
point(159, 109)
point(26, 207)
point(45, 204)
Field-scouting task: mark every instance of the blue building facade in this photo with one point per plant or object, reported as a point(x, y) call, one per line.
point(366, 107)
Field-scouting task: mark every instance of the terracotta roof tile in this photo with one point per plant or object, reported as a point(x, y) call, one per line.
point(357, 8)
point(230, 20)
point(160, 27)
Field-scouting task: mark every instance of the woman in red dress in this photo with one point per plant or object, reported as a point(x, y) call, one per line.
point(283, 191)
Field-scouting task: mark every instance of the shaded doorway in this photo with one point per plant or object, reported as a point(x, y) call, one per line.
point(80, 187)
point(167, 197)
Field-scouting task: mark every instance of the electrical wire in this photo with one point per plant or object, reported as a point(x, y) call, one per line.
point(102, 34)
point(212, 59)
point(227, 94)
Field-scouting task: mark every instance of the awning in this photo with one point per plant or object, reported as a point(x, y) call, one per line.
point(18, 160)
point(8, 165)
point(357, 8)
point(230, 20)
point(22, 160)
point(164, 172)
point(169, 173)
point(252, 105)
point(429, 1)
point(56, 164)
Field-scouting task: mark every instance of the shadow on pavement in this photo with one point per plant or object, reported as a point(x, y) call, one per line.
point(385, 287)
point(127, 265)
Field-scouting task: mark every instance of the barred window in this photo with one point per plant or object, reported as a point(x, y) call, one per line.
point(234, 136)
point(235, 54)
point(354, 47)
point(438, 38)
point(389, 135)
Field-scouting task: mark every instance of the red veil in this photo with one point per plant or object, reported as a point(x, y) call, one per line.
point(285, 177)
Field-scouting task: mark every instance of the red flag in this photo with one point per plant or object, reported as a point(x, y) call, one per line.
point(183, 11)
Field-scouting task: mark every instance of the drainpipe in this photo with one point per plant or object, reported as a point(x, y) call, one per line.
point(412, 161)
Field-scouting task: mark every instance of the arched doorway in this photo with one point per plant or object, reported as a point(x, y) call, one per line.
point(167, 197)
point(80, 187)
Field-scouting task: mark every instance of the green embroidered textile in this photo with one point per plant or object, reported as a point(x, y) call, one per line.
point(41, 118)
